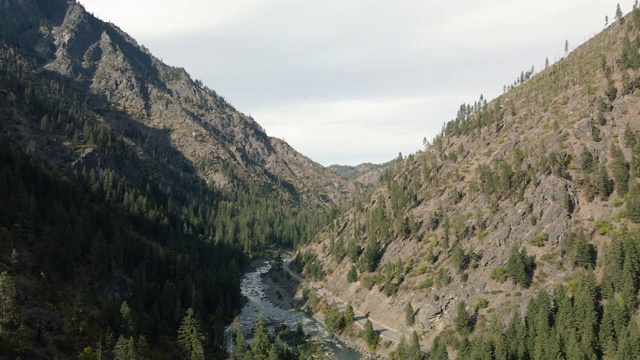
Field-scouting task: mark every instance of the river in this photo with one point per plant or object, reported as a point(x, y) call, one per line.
point(253, 288)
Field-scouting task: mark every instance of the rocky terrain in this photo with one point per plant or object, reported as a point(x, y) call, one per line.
point(554, 159)
point(158, 107)
point(367, 174)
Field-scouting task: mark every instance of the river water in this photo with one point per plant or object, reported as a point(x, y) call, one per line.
point(253, 288)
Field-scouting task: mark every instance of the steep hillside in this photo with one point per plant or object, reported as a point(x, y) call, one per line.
point(160, 107)
point(130, 195)
point(516, 197)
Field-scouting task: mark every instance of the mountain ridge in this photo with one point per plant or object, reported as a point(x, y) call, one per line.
point(117, 76)
point(132, 195)
point(546, 172)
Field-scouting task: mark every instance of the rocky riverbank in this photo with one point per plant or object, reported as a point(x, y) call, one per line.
point(287, 293)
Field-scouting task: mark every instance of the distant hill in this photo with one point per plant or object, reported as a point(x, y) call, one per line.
point(523, 207)
point(367, 173)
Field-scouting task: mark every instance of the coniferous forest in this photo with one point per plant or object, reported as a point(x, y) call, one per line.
point(111, 258)
point(133, 198)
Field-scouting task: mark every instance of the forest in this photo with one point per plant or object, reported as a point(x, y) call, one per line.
point(101, 260)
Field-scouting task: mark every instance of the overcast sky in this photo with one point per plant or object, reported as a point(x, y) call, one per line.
point(356, 81)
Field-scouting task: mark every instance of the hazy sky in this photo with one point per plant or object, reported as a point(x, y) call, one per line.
point(356, 81)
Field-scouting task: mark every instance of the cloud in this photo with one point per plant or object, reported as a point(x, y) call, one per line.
point(343, 79)
point(357, 131)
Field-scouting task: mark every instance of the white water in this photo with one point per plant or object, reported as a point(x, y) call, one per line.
point(253, 288)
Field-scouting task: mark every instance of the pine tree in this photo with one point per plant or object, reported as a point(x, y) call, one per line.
point(414, 352)
point(587, 163)
point(352, 275)
point(260, 344)
point(401, 349)
point(9, 309)
point(618, 12)
point(633, 204)
point(124, 349)
point(463, 321)
point(439, 350)
point(127, 326)
point(240, 349)
point(349, 315)
point(520, 267)
point(409, 314)
point(620, 169)
point(190, 338)
point(370, 335)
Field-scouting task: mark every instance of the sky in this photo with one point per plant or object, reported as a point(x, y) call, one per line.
point(354, 81)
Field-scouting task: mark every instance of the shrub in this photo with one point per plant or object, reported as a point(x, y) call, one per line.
point(499, 274)
point(426, 284)
point(481, 303)
point(540, 239)
point(603, 227)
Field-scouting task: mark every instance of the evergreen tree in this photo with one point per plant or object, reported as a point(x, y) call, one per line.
point(9, 309)
point(240, 349)
point(439, 350)
point(633, 204)
point(127, 326)
point(618, 12)
point(520, 267)
point(352, 275)
point(414, 352)
point(620, 169)
point(463, 321)
point(587, 162)
point(190, 338)
point(124, 349)
point(409, 314)
point(260, 345)
point(370, 336)
point(401, 349)
point(333, 320)
point(349, 315)
point(604, 184)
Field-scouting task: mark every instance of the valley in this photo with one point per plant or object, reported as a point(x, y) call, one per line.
point(144, 217)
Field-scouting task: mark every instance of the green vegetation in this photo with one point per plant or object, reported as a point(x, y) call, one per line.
point(141, 225)
point(409, 315)
point(333, 319)
point(352, 275)
point(369, 335)
point(190, 338)
point(540, 239)
point(520, 267)
point(481, 303)
point(499, 274)
point(463, 321)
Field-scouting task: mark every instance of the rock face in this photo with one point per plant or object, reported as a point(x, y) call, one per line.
point(161, 106)
point(526, 171)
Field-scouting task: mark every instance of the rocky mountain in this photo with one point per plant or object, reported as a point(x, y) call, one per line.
point(158, 107)
point(367, 173)
point(131, 195)
point(516, 197)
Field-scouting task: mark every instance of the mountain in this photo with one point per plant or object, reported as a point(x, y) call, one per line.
point(132, 196)
point(159, 106)
point(523, 207)
point(366, 173)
